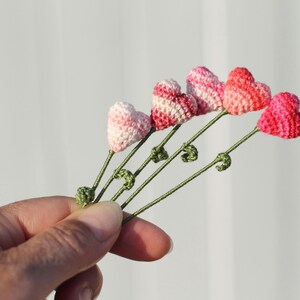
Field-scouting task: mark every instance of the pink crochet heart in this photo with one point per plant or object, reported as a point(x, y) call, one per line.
point(206, 89)
point(126, 126)
point(242, 94)
point(282, 117)
point(170, 106)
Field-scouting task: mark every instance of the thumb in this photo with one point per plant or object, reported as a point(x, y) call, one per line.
point(73, 245)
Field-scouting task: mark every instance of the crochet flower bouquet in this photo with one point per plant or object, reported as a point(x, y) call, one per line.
point(172, 108)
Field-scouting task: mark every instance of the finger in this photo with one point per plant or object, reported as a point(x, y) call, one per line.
point(24, 219)
point(139, 239)
point(62, 251)
point(143, 241)
point(85, 285)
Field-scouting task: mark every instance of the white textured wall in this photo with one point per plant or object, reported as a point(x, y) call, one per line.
point(63, 63)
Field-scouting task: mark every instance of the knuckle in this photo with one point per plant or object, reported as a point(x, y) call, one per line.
point(12, 269)
point(70, 238)
point(63, 247)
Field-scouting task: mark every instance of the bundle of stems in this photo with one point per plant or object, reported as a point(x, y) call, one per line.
point(171, 108)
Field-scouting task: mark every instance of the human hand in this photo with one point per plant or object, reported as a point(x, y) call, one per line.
point(52, 244)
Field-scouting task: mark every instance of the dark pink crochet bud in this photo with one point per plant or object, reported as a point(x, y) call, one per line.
point(282, 117)
point(171, 107)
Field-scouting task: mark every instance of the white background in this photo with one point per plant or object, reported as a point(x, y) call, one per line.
point(64, 63)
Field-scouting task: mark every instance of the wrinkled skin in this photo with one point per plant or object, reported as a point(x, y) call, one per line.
point(51, 244)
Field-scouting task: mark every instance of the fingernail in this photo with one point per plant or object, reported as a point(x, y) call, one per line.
point(104, 219)
point(85, 294)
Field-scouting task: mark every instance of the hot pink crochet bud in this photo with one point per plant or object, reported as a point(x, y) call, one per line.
point(170, 106)
point(206, 89)
point(282, 117)
point(126, 126)
point(242, 94)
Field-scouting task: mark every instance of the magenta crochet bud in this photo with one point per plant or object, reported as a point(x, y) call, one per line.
point(282, 117)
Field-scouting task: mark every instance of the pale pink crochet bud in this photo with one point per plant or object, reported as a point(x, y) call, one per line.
point(126, 126)
point(206, 89)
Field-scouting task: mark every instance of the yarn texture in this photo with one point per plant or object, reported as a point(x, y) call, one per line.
point(84, 196)
point(128, 176)
point(282, 117)
point(242, 94)
point(206, 89)
point(170, 106)
point(126, 126)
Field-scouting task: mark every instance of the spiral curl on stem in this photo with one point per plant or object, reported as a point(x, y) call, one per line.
point(159, 154)
point(225, 158)
point(222, 157)
point(128, 176)
point(191, 153)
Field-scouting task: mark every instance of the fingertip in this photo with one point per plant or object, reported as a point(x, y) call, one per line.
point(103, 219)
point(142, 241)
point(81, 285)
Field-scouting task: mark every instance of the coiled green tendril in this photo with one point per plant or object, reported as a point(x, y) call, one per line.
point(226, 161)
point(190, 153)
point(158, 154)
point(128, 176)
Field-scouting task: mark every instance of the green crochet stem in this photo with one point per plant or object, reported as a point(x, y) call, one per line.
point(174, 155)
point(127, 158)
point(221, 157)
point(103, 169)
point(85, 195)
point(157, 154)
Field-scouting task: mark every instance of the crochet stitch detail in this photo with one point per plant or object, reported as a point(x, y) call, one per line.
point(242, 94)
point(282, 117)
point(170, 106)
point(84, 196)
point(158, 154)
point(190, 153)
point(128, 176)
point(126, 126)
point(226, 161)
point(206, 89)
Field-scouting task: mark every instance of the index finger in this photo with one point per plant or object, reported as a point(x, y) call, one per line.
point(138, 240)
